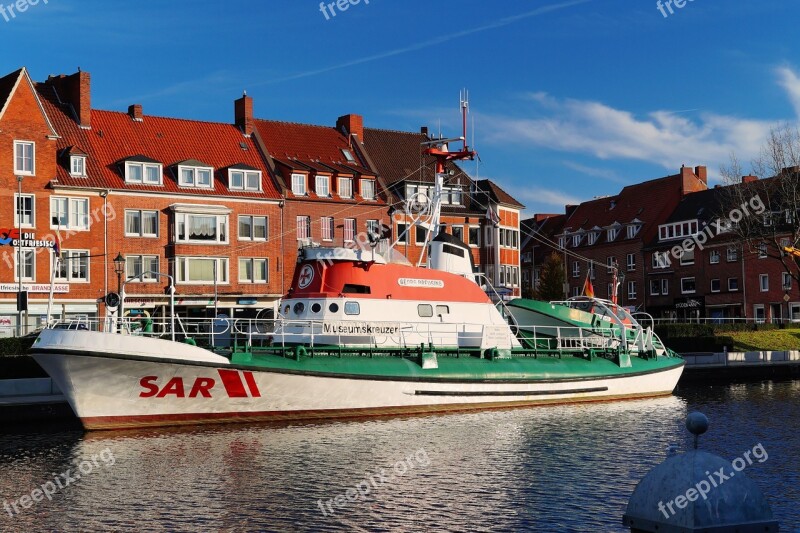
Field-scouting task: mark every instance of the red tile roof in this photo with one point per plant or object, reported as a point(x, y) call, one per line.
point(496, 193)
point(116, 136)
point(7, 84)
point(290, 141)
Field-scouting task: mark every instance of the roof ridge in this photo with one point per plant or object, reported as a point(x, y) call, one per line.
point(418, 133)
point(293, 123)
point(160, 117)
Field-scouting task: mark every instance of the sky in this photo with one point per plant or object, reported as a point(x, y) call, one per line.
point(570, 99)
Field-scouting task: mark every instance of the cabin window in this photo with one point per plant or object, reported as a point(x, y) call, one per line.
point(352, 288)
point(425, 310)
point(352, 308)
point(453, 250)
point(442, 310)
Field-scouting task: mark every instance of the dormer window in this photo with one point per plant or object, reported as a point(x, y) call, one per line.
point(299, 184)
point(142, 170)
point(368, 189)
point(592, 238)
point(77, 165)
point(612, 233)
point(191, 174)
point(322, 185)
point(633, 230)
point(576, 240)
point(348, 155)
point(244, 179)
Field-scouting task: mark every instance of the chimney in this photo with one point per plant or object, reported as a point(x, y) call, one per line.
point(76, 90)
point(243, 111)
point(352, 125)
point(749, 179)
point(702, 173)
point(424, 130)
point(135, 112)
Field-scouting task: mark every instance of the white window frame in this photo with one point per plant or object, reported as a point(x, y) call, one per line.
point(182, 218)
point(134, 278)
point(159, 168)
point(66, 263)
point(714, 257)
point(402, 232)
point(349, 230)
point(320, 179)
point(610, 260)
point(661, 260)
point(469, 236)
point(20, 170)
point(687, 257)
point(328, 227)
point(683, 289)
point(252, 237)
point(193, 181)
point(731, 254)
point(252, 262)
point(729, 285)
point(576, 269)
point(77, 166)
point(299, 184)
point(182, 268)
point(763, 282)
point(243, 175)
point(26, 253)
point(630, 261)
point(756, 309)
point(370, 182)
point(17, 211)
point(592, 238)
point(678, 230)
point(303, 227)
point(762, 250)
point(348, 155)
point(719, 285)
point(631, 290)
point(655, 287)
point(665, 287)
point(141, 213)
point(633, 230)
point(373, 227)
point(347, 188)
point(612, 234)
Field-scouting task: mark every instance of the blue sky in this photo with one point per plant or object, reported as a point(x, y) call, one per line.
point(571, 99)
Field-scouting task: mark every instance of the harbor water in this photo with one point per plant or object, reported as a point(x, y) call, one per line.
point(561, 468)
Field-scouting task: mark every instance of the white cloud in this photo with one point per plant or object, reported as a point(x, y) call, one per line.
point(791, 84)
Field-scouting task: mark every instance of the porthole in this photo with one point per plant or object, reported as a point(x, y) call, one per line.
point(333, 308)
point(299, 307)
point(316, 308)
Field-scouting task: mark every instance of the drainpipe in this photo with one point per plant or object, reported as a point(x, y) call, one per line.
point(744, 286)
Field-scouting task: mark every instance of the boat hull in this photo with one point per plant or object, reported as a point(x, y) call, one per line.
point(111, 389)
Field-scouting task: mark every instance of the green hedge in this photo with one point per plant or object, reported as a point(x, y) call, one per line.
point(12, 346)
point(678, 331)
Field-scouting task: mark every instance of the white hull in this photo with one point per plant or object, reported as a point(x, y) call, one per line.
point(114, 388)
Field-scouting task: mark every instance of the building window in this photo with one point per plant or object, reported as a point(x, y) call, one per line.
point(348, 155)
point(200, 270)
point(327, 228)
point(141, 223)
point(688, 286)
point(612, 233)
point(794, 312)
point(25, 262)
point(201, 228)
point(77, 166)
point(73, 266)
point(576, 269)
point(592, 238)
point(402, 233)
point(146, 173)
point(562, 242)
point(677, 230)
point(349, 230)
point(763, 282)
point(299, 184)
point(762, 250)
point(303, 228)
point(24, 158)
point(137, 265)
point(716, 286)
point(25, 215)
point(373, 229)
point(733, 284)
point(631, 262)
point(713, 257)
point(474, 236)
point(591, 271)
point(368, 189)
point(253, 228)
point(322, 185)
point(655, 287)
point(661, 260)
point(633, 230)
point(759, 314)
point(732, 254)
point(610, 262)
point(253, 270)
point(576, 240)
point(200, 177)
point(458, 232)
point(75, 211)
point(345, 187)
point(687, 257)
point(244, 180)
point(421, 235)
point(631, 290)
point(664, 287)
point(787, 281)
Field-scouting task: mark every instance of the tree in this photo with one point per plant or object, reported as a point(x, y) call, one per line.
point(763, 214)
point(551, 282)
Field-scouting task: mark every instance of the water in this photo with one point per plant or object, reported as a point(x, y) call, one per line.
point(567, 468)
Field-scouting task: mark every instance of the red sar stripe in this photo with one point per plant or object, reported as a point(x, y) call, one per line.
point(233, 383)
point(251, 384)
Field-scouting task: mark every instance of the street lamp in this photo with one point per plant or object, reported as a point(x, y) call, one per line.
point(119, 268)
point(18, 208)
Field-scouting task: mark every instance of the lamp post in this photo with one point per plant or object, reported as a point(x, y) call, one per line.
point(119, 268)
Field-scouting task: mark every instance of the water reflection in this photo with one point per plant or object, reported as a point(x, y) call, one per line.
point(567, 468)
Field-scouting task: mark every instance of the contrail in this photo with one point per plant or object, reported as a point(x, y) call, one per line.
point(426, 44)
